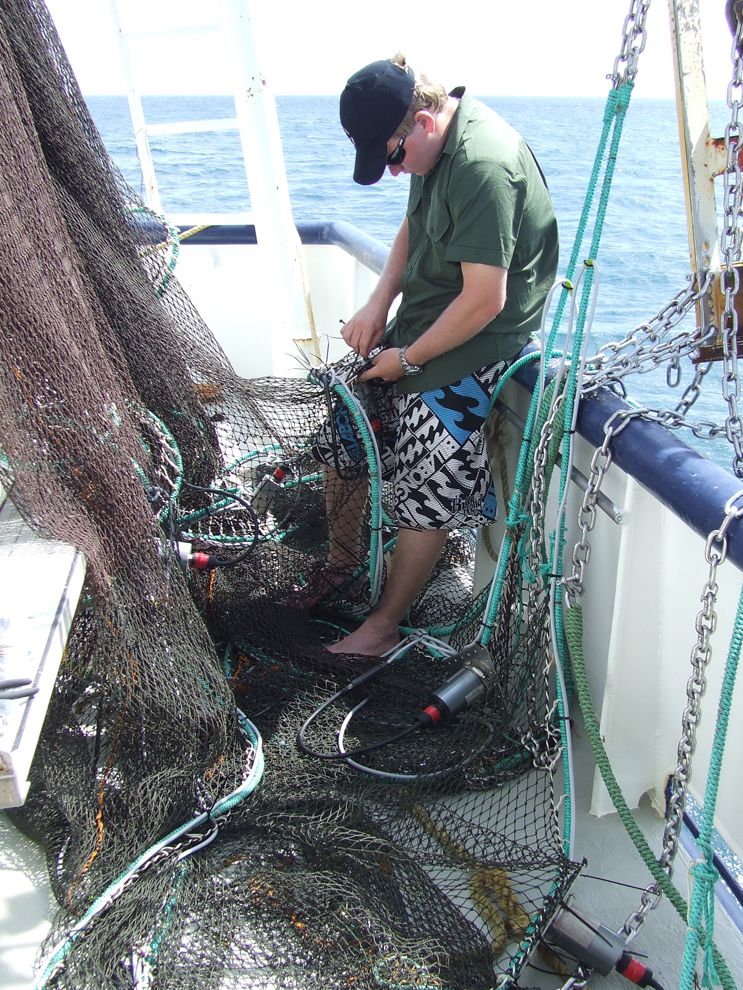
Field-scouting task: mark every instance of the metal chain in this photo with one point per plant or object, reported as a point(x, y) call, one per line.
point(653, 343)
point(730, 244)
point(188, 845)
point(573, 584)
point(693, 390)
point(600, 463)
point(646, 348)
point(649, 345)
point(537, 502)
point(579, 979)
point(706, 622)
point(546, 750)
point(634, 37)
point(715, 553)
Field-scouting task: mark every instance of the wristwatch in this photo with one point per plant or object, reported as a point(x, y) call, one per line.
point(407, 367)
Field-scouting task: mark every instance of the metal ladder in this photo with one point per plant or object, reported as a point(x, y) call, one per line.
point(256, 121)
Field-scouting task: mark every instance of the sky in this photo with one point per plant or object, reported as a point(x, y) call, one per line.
point(501, 48)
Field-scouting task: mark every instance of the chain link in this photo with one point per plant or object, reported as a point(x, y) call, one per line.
point(537, 503)
point(730, 244)
point(600, 463)
point(189, 844)
point(634, 37)
point(179, 849)
point(650, 346)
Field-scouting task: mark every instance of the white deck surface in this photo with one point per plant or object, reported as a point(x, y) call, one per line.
point(604, 843)
point(40, 584)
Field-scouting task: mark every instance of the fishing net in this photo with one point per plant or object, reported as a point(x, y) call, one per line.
point(217, 793)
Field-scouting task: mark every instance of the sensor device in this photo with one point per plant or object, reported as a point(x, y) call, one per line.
point(469, 683)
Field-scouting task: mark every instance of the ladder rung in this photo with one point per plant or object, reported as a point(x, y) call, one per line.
point(188, 126)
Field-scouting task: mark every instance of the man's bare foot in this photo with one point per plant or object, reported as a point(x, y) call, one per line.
point(372, 639)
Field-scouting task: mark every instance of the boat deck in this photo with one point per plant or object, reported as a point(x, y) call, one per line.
point(611, 856)
point(41, 586)
point(26, 903)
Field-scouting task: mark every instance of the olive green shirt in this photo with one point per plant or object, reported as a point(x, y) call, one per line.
point(485, 201)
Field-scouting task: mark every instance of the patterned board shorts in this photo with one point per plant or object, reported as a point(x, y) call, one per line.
point(432, 448)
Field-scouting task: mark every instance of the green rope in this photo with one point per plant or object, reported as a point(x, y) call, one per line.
point(215, 507)
point(704, 873)
point(614, 117)
point(251, 454)
point(574, 632)
point(375, 482)
point(614, 114)
point(172, 242)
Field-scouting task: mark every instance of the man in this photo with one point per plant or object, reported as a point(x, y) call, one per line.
point(474, 260)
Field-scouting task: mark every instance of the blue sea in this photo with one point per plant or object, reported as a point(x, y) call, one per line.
point(643, 259)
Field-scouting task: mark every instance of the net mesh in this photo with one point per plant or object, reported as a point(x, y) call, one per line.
point(434, 862)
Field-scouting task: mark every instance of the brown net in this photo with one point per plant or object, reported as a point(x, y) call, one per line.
point(175, 860)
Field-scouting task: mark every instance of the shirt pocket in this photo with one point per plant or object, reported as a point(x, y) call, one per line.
point(438, 225)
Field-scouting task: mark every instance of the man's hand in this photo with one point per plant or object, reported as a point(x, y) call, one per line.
point(365, 329)
point(385, 366)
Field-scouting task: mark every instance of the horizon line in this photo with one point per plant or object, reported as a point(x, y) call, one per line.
point(477, 95)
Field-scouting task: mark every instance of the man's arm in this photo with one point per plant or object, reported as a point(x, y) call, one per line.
point(482, 298)
point(366, 328)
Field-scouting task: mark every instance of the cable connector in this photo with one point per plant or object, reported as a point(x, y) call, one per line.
point(636, 972)
point(196, 560)
point(267, 489)
point(429, 716)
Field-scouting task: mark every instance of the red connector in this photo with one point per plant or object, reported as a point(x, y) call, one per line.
point(196, 560)
point(636, 972)
point(430, 715)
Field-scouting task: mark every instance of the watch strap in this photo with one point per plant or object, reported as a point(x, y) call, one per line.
point(407, 367)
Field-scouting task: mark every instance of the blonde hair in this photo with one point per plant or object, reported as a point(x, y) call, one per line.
point(427, 95)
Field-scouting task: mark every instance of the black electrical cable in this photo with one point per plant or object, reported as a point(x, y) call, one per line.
point(433, 775)
point(363, 750)
point(424, 719)
point(357, 682)
point(240, 558)
point(636, 972)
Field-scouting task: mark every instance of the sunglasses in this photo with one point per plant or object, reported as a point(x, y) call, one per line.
point(397, 157)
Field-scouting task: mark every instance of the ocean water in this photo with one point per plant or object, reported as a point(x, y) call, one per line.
point(643, 259)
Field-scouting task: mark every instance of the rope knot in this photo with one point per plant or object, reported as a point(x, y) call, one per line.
point(705, 872)
point(705, 877)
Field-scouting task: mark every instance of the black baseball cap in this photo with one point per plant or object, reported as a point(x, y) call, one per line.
point(373, 105)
